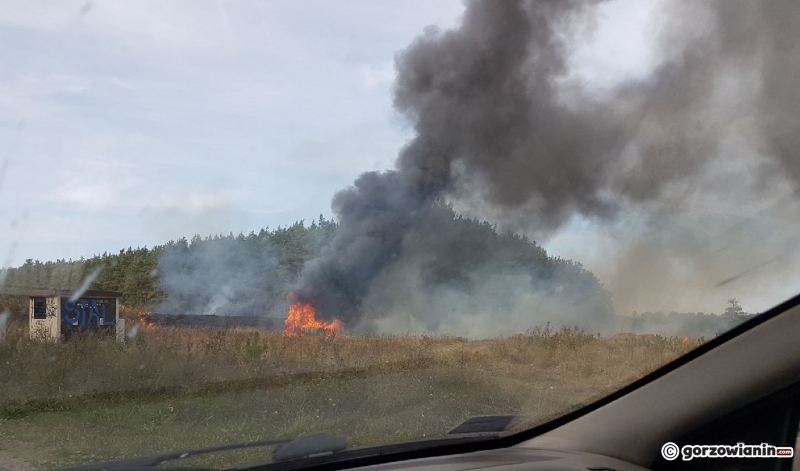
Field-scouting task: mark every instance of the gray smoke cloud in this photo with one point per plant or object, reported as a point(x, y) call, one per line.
point(667, 165)
point(223, 277)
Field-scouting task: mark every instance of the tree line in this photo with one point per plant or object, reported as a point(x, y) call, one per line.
point(253, 273)
point(250, 273)
point(136, 272)
point(685, 323)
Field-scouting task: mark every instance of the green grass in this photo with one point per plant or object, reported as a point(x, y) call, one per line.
point(206, 388)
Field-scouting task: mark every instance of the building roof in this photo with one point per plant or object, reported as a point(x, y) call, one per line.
point(51, 293)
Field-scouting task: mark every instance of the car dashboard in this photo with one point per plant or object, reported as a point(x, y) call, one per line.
point(513, 459)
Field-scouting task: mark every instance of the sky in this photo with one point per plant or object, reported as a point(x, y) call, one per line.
point(131, 123)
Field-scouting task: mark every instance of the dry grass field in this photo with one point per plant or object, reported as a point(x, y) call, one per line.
point(170, 388)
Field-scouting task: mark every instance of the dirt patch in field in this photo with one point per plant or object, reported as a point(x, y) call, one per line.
point(9, 462)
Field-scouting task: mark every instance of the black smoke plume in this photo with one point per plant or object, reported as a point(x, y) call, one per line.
point(502, 125)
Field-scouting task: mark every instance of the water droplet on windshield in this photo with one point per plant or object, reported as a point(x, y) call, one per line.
point(87, 282)
point(133, 332)
point(3, 322)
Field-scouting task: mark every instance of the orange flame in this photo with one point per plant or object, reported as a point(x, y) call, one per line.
point(686, 340)
point(144, 319)
point(302, 319)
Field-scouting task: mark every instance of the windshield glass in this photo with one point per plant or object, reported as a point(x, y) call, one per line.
point(236, 221)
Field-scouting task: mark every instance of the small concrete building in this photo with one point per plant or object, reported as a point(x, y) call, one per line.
point(58, 314)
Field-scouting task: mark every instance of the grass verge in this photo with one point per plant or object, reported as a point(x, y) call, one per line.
point(167, 389)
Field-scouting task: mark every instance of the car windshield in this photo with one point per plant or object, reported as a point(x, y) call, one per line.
point(227, 222)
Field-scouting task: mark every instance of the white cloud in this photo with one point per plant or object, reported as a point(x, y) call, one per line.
point(135, 24)
point(196, 203)
point(620, 46)
point(380, 76)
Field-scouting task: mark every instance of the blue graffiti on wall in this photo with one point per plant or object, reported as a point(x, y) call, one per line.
point(85, 312)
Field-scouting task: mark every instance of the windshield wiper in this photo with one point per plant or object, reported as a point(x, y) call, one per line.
point(317, 444)
point(372, 455)
point(317, 449)
point(309, 445)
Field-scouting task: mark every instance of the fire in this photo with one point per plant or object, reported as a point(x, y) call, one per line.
point(686, 340)
point(144, 319)
point(302, 319)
